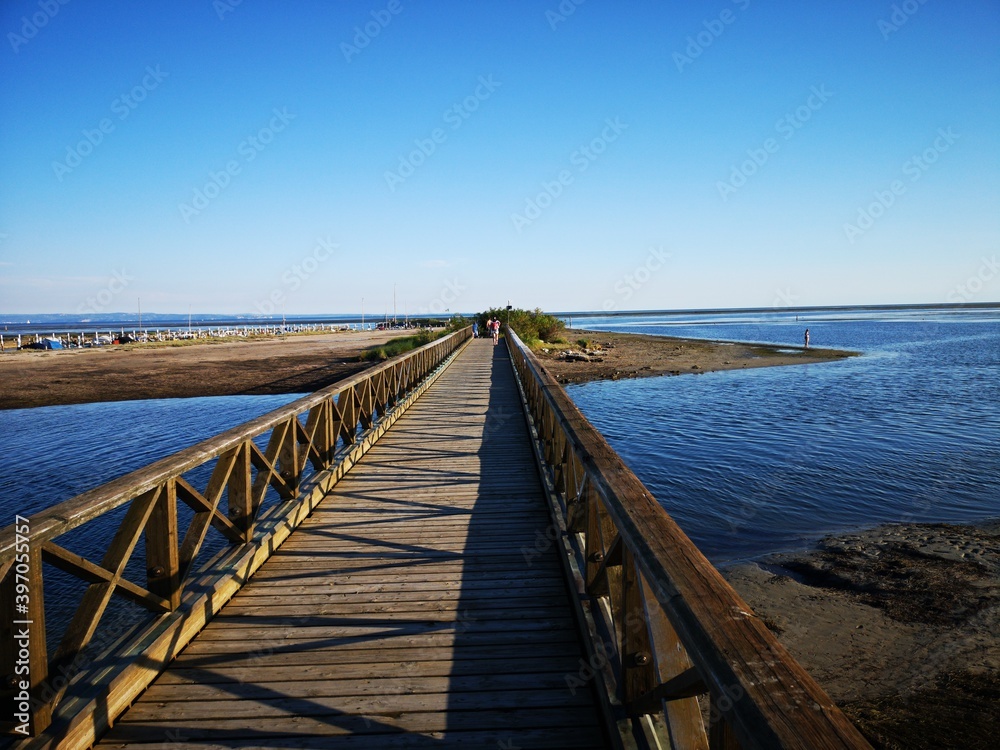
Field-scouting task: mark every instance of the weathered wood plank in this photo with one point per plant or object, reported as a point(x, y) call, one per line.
point(482, 592)
point(336, 724)
point(399, 694)
point(270, 668)
point(388, 641)
point(420, 596)
point(537, 738)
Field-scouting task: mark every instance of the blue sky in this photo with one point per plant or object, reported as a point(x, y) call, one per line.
point(300, 156)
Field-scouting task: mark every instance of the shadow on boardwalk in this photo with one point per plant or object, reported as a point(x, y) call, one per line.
point(421, 605)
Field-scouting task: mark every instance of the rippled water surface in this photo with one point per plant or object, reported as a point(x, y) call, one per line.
point(54, 453)
point(756, 461)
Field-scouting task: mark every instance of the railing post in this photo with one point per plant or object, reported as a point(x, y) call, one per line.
point(240, 490)
point(32, 624)
point(638, 667)
point(366, 410)
point(162, 556)
point(288, 457)
point(8, 678)
point(24, 659)
point(720, 735)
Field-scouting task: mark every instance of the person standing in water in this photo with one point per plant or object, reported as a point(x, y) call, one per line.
point(806, 338)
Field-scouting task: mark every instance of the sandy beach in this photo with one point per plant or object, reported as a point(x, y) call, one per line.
point(612, 356)
point(899, 624)
point(307, 362)
point(283, 364)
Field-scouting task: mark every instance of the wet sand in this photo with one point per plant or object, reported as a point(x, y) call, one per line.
point(305, 363)
point(612, 356)
point(900, 625)
point(282, 364)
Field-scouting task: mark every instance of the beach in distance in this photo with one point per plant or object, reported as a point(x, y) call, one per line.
point(279, 364)
point(307, 362)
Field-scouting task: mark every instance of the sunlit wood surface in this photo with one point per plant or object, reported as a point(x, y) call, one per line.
point(421, 604)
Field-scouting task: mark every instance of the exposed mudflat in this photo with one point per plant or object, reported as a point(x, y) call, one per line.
point(612, 356)
point(283, 364)
point(900, 625)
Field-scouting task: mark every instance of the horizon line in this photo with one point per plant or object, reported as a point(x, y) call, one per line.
point(557, 313)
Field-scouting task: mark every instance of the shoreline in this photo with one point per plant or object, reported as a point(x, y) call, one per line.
point(304, 363)
point(300, 363)
point(898, 623)
point(608, 355)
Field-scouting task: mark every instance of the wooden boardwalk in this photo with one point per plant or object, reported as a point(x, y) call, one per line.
point(417, 607)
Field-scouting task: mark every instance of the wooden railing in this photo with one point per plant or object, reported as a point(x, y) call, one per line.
point(663, 625)
point(264, 478)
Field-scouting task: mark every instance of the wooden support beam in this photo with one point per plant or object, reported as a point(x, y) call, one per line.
point(638, 665)
point(209, 506)
point(608, 563)
point(163, 576)
point(315, 437)
point(95, 599)
point(240, 493)
point(74, 564)
point(267, 476)
point(687, 684)
point(677, 677)
point(288, 457)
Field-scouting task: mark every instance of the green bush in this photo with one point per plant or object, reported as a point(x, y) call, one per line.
point(529, 325)
point(399, 345)
point(457, 323)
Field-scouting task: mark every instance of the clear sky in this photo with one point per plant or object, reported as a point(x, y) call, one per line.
point(300, 156)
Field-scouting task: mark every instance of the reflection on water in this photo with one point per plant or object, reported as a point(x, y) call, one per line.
point(755, 461)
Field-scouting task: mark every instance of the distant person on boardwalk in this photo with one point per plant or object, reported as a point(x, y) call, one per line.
point(806, 338)
point(475, 329)
point(495, 328)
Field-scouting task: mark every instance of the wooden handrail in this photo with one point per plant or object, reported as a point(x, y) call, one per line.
point(341, 423)
point(677, 627)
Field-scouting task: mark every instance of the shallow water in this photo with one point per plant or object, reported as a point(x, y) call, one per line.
point(756, 461)
point(53, 453)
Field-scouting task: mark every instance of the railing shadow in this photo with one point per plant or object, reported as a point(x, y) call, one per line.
point(513, 603)
point(255, 494)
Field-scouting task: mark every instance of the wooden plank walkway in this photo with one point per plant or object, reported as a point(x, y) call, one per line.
point(404, 613)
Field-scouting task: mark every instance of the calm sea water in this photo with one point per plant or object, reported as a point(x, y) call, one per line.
point(757, 461)
point(54, 453)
